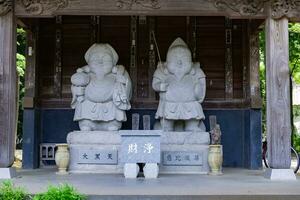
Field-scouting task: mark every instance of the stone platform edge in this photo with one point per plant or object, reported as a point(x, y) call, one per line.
point(114, 137)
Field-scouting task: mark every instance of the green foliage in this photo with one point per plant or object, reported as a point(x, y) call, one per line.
point(62, 192)
point(296, 142)
point(21, 64)
point(294, 44)
point(262, 74)
point(9, 192)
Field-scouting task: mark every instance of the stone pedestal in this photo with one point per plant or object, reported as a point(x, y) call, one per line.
point(7, 173)
point(99, 151)
point(280, 174)
point(151, 170)
point(131, 170)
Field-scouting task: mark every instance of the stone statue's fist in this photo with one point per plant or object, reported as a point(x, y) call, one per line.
point(80, 99)
point(164, 87)
point(80, 79)
point(121, 79)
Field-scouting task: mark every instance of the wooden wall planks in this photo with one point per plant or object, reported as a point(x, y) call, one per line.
point(208, 44)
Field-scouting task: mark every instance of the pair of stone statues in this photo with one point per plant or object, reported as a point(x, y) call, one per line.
point(102, 90)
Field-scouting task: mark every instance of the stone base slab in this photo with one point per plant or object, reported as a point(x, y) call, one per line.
point(105, 141)
point(7, 173)
point(280, 174)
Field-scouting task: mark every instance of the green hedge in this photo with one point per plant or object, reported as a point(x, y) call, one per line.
point(62, 192)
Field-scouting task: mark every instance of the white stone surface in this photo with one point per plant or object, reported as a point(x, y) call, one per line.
point(94, 137)
point(111, 140)
point(7, 173)
point(203, 169)
point(233, 183)
point(151, 170)
point(182, 86)
point(131, 170)
point(280, 174)
point(180, 138)
point(101, 90)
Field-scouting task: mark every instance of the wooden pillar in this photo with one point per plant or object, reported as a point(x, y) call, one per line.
point(254, 62)
point(278, 94)
point(30, 73)
point(58, 58)
point(31, 138)
point(8, 86)
point(133, 55)
point(228, 60)
point(152, 57)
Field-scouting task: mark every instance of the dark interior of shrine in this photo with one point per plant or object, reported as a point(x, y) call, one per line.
point(216, 42)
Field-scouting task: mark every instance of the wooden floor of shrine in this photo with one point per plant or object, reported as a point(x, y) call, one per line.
point(234, 184)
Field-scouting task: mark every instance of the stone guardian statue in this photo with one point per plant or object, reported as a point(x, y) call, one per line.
point(182, 86)
point(101, 90)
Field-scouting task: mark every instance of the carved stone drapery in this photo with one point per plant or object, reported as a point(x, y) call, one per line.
point(128, 4)
point(279, 8)
point(36, 7)
point(5, 6)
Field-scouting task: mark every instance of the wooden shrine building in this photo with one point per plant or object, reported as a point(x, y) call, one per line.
point(223, 36)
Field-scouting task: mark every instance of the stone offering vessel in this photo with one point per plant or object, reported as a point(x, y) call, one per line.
point(101, 91)
point(62, 158)
point(182, 86)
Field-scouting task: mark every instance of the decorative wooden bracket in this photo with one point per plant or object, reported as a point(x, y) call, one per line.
point(279, 8)
point(152, 4)
point(5, 6)
point(36, 7)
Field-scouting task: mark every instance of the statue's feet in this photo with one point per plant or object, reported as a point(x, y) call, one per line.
point(194, 125)
point(113, 125)
point(167, 125)
point(86, 125)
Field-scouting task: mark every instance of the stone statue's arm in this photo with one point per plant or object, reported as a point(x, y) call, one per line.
point(128, 85)
point(200, 84)
point(79, 81)
point(200, 89)
point(122, 89)
point(158, 83)
point(77, 95)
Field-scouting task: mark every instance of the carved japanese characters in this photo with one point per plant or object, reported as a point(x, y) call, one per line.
point(101, 90)
point(181, 86)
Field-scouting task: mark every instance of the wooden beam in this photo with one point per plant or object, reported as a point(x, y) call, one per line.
point(8, 88)
point(278, 94)
point(136, 7)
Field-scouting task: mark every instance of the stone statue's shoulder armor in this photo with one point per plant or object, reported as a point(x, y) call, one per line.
point(197, 71)
point(119, 69)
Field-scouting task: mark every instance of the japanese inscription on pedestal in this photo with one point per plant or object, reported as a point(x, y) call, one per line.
point(140, 148)
point(94, 156)
point(182, 158)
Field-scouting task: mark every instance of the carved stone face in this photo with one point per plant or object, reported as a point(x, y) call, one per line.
point(179, 61)
point(101, 63)
point(101, 58)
